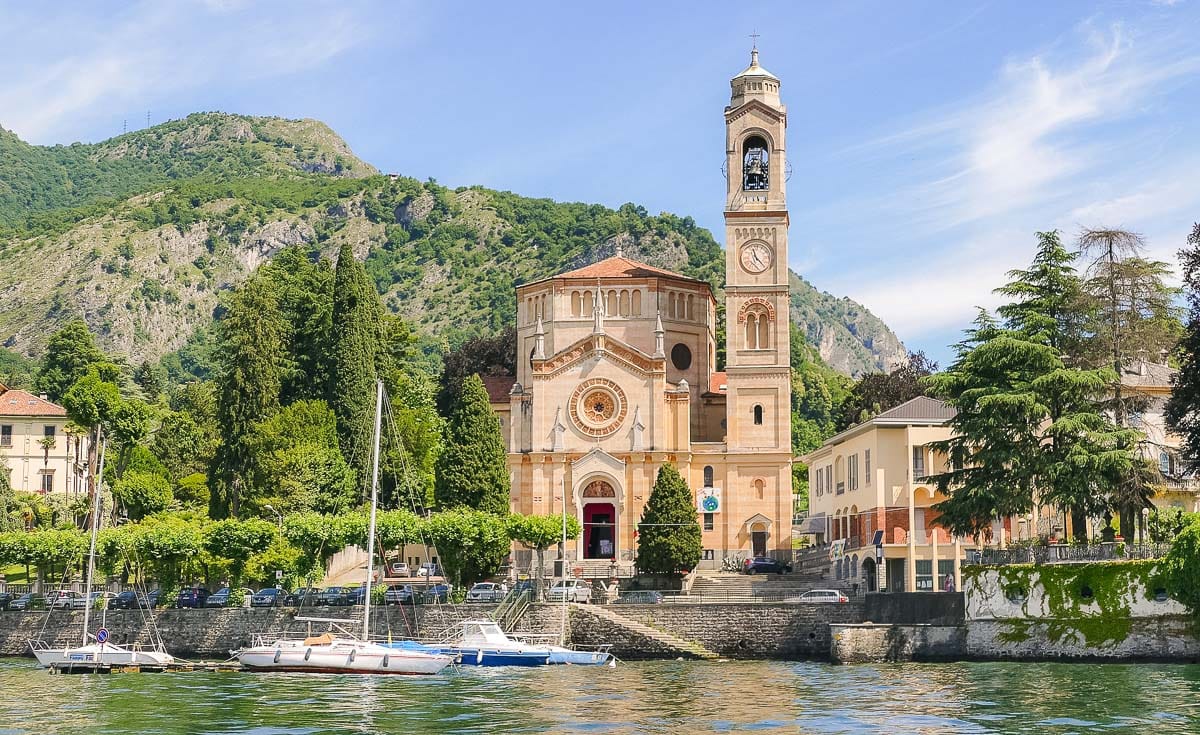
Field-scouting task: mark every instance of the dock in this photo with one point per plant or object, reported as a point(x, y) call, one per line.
point(84, 667)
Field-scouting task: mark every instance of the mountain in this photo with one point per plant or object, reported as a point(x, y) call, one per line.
point(142, 233)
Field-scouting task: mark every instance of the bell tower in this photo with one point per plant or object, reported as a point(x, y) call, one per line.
point(758, 403)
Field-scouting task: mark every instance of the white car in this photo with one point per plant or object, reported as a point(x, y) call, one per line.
point(98, 599)
point(428, 569)
point(820, 596)
point(487, 592)
point(62, 599)
point(573, 590)
point(398, 569)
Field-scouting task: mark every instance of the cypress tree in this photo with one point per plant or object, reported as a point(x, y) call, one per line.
point(669, 535)
point(248, 390)
point(355, 346)
point(472, 469)
point(1183, 408)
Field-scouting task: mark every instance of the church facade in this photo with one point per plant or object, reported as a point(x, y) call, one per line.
point(617, 372)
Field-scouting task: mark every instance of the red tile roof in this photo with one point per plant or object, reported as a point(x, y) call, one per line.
point(498, 387)
point(621, 267)
point(716, 383)
point(16, 402)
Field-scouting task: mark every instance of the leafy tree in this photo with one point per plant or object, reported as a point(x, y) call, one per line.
point(471, 544)
point(1167, 523)
point(412, 446)
point(356, 338)
point(70, 353)
point(165, 545)
point(142, 494)
point(192, 491)
point(669, 535)
point(9, 520)
point(540, 533)
point(480, 355)
point(318, 537)
point(16, 370)
point(298, 465)
point(472, 469)
point(237, 541)
point(303, 287)
point(149, 379)
point(1183, 407)
point(248, 391)
point(1181, 567)
point(875, 393)
point(184, 445)
point(128, 425)
point(90, 401)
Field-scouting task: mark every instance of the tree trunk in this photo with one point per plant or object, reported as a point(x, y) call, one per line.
point(541, 571)
point(92, 459)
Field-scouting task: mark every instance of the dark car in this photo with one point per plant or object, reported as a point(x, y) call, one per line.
point(523, 586)
point(28, 601)
point(354, 595)
point(152, 597)
point(765, 565)
point(130, 600)
point(398, 594)
point(5, 598)
point(639, 597)
point(303, 596)
point(333, 596)
point(436, 593)
point(267, 597)
point(225, 597)
point(192, 597)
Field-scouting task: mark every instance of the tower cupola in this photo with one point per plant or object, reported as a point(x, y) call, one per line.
point(753, 83)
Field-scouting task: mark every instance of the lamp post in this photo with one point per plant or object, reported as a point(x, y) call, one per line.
point(278, 515)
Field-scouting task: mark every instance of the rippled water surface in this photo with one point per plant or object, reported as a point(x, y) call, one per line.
point(652, 697)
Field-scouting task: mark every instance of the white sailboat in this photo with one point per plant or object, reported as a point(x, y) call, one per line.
point(95, 652)
point(336, 651)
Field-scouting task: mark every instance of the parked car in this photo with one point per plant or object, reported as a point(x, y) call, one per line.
point(267, 597)
point(97, 599)
point(766, 564)
point(398, 594)
point(437, 593)
point(5, 598)
point(429, 569)
point(130, 600)
point(152, 597)
point(28, 601)
point(62, 599)
point(820, 596)
point(572, 590)
point(192, 597)
point(305, 596)
point(399, 569)
point(524, 586)
point(354, 595)
point(333, 596)
point(487, 592)
point(226, 597)
point(640, 597)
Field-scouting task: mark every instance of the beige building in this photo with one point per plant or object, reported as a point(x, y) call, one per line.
point(617, 372)
point(866, 494)
point(40, 454)
point(1148, 385)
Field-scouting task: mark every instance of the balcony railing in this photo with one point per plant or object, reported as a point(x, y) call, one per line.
point(1063, 554)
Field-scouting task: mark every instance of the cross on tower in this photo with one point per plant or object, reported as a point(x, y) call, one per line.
point(754, 40)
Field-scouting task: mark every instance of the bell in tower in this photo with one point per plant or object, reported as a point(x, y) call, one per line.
point(756, 165)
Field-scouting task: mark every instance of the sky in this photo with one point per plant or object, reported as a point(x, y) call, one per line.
point(929, 142)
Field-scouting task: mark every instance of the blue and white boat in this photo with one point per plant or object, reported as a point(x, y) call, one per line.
point(484, 643)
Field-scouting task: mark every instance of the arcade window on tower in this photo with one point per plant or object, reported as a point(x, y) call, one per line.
point(756, 164)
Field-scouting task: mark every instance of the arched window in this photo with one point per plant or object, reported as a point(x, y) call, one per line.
point(612, 309)
point(708, 476)
point(589, 304)
point(624, 303)
point(760, 488)
point(691, 308)
point(758, 415)
point(756, 164)
point(764, 340)
point(576, 304)
point(752, 331)
point(671, 305)
point(636, 308)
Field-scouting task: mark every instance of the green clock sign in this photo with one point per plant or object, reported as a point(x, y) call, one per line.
point(710, 504)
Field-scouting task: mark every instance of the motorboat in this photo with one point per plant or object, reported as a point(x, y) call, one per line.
point(484, 643)
point(329, 654)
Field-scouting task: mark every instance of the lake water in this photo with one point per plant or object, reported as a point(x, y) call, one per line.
point(651, 697)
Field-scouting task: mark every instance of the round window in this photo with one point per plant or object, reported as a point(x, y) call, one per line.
point(681, 356)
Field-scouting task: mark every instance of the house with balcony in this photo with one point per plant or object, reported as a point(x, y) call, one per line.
point(37, 449)
point(1146, 387)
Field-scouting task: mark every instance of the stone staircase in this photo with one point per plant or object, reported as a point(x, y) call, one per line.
point(813, 561)
point(630, 638)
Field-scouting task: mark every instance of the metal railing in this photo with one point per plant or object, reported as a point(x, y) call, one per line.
point(511, 609)
point(1064, 554)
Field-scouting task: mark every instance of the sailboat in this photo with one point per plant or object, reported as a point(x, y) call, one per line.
point(337, 651)
point(95, 652)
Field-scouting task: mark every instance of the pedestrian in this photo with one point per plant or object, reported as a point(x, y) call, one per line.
point(949, 586)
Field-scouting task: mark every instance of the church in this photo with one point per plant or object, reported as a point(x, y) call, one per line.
point(617, 372)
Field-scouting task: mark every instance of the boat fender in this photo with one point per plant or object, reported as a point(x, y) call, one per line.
point(479, 657)
point(307, 654)
point(385, 660)
point(352, 653)
point(278, 653)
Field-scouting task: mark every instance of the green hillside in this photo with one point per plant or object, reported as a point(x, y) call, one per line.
point(141, 234)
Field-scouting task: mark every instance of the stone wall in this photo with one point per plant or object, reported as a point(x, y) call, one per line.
point(1162, 638)
point(915, 608)
point(869, 643)
point(735, 630)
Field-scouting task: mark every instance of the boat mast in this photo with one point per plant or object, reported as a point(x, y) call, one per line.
point(366, 634)
point(562, 625)
point(91, 566)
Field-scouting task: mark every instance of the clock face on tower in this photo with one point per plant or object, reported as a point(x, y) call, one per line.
point(756, 257)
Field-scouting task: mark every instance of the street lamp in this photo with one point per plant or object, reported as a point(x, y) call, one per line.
point(278, 515)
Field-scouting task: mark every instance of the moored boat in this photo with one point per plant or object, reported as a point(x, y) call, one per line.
point(328, 654)
point(484, 643)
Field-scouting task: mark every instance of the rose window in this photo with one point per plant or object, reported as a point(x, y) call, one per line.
point(598, 407)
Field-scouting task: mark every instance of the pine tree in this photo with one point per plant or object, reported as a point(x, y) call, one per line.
point(472, 469)
point(1048, 303)
point(669, 539)
point(248, 390)
point(355, 347)
point(69, 355)
point(1183, 408)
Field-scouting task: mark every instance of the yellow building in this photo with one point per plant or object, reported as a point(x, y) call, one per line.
point(1147, 385)
point(617, 372)
point(39, 453)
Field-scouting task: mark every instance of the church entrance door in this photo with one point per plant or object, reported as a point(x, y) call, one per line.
point(758, 540)
point(599, 531)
